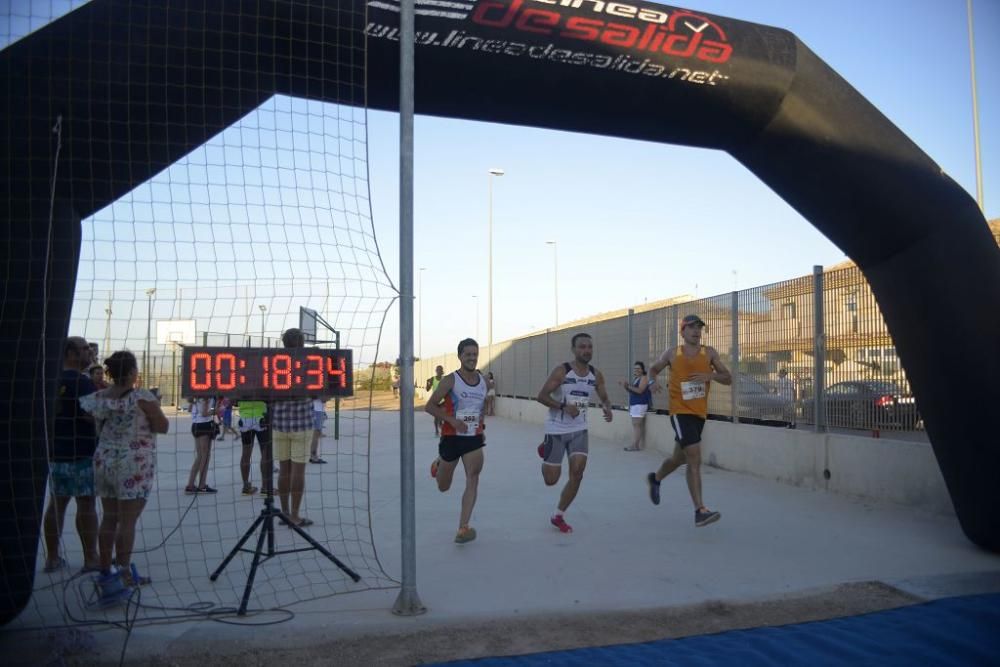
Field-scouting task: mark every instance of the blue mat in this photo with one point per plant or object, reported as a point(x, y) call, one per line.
point(953, 631)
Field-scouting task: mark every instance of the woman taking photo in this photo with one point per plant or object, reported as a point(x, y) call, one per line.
point(639, 399)
point(124, 467)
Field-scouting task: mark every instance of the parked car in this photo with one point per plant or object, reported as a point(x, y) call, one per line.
point(868, 405)
point(756, 404)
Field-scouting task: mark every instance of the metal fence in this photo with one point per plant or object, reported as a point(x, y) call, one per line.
point(785, 372)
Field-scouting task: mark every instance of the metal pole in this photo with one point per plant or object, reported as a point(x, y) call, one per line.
point(477, 315)
point(631, 351)
point(408, 602)
point(819, 352)
point(489, 299)
point(555, 277)
point(420, 313)
point(107, 328)
point(735, 358)
point(149, 320)
point(489, 296)
point(263, 316)
point(975, 110)
point(672, 332)
point(173, 371)
point(336, 401)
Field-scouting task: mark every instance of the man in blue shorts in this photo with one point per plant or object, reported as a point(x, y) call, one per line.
point(71, 453)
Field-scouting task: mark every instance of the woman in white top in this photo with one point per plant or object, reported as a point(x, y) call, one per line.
point(203, 429)
point(124, 466)
point(491, 394)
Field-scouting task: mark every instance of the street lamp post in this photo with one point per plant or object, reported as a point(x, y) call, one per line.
point(489, 301)
point(420, 311)
point(975, 109)
point(555, 276)
point(263, 309)
point(476, 297)
point(107, 328)
point(149, 321)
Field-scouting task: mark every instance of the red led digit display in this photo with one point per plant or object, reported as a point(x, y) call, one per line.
point(337, 370)
point(225, 371)
point(200, 366)
point(314, 370)
point(266, 373)
point(281, 376)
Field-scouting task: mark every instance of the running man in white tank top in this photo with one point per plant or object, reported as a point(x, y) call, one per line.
point(567, 394)
point(458, 402)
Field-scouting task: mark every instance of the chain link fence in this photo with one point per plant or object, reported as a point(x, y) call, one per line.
point(812, 351)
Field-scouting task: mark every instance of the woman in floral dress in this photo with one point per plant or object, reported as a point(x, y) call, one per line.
point(124, 463)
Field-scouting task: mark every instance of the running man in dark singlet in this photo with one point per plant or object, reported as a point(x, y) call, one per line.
point(458, 403)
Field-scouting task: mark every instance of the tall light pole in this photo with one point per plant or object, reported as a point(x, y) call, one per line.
point(149, 321)
point(489, 302)
point(975, 111)
point(107, 328)
point(555, 276)
point(263, 310)
point(476, 297)
point(420, 311)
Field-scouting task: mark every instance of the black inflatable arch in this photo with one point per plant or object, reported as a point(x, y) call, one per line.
point(140, 83)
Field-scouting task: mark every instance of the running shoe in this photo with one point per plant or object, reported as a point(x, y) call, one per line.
point(654, 488)
point(559, 522)
point(434, 467)
point(703, 517)
point(136, 578)
point(111, 590)
point(465, 534)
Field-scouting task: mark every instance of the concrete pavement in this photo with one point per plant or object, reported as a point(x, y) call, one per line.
point(774, 542)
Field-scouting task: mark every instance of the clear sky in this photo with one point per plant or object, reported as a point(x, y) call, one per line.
point(611, 205)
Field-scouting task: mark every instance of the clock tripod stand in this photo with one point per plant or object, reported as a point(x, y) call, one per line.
point(265, 521)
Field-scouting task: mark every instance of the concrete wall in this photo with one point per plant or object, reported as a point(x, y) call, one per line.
point(876, 468)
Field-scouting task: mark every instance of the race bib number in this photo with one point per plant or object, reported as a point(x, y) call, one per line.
point(692, 390)
point(581, 403)
point(470, 418)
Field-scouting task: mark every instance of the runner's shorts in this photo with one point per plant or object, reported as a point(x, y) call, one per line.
point(557, 445)
point(453, 447)
point(687, 429)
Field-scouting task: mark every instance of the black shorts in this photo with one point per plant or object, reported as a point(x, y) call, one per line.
point(453, 447)
point(201, 429)
point(263, 438)
point(687, 429)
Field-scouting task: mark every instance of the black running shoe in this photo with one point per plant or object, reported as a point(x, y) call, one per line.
point(654, 488)
point(704, 516)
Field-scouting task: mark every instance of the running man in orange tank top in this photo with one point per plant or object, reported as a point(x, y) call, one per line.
point(693, 368)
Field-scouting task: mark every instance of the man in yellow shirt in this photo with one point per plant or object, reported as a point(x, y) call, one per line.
point(693, 368)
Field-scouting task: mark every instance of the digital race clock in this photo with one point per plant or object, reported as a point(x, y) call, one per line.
point(266, 373)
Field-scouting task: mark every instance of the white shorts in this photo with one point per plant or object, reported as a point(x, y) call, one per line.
point(638, 410)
